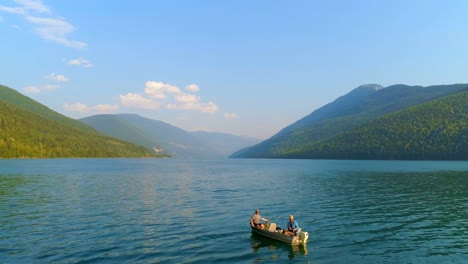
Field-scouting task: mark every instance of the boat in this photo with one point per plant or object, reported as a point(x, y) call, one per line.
point(272, 232)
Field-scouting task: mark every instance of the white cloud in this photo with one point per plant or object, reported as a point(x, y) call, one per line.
point(53, 29)
point(56, 30)
point(158, 94)
point(171, 106)
point(96, 109)
point(57, 78)
point(77, 107)
point(34, 5)
point(186, 98)
point(231, 116)
point(36, 90)
point(32, 90)
point(80, 62)
point(209, 107)
point(50, 87)
point(192, 88)
point(13, 10)
point(105, 108)
point(158, 90)
point(138, 101)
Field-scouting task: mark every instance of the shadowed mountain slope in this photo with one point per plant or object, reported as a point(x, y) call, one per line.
point(159, 136)
point(352, 110)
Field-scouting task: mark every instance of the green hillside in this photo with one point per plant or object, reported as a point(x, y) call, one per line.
point(436, 130)
point(31, 130)
point(161, 137)
point(23, 102)
point(358, 107)
point(118, 127)
point(155, 135)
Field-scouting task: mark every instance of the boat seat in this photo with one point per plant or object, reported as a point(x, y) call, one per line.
point(272, 227)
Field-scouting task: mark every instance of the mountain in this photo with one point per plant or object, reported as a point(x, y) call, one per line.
point(159, 136)
point(435, 130)
point(224, 143)
point(156, 136)
point(352, 110)
point(29, 129)
point(342, 106)
point(25, 103)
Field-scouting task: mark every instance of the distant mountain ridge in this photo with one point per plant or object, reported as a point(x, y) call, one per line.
point(29, 129)
point(395, 122)
point(226, 142)
point(159, 136)
point(434, 130)
point(352, 110)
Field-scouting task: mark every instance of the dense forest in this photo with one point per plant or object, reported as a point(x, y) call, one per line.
point(25, 134)
point(368, 123)
point(20, 101)
point(436, 130)
point(348, 112)
point(31, 130)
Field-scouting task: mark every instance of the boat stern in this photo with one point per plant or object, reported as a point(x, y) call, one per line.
point(303, 237)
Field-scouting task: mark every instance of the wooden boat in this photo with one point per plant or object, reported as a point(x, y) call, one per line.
point(270, 231)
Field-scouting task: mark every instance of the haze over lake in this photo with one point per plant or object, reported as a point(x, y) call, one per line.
point(197, 211)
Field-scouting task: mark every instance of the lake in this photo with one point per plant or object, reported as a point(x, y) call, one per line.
point(198, 211)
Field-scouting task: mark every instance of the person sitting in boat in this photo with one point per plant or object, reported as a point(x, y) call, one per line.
point(256, 218)
point(292, 226)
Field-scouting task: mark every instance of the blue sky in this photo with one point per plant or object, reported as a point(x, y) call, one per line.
point(239, 67)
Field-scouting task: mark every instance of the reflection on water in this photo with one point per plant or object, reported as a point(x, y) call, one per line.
point(192, 211)
point(276, 248)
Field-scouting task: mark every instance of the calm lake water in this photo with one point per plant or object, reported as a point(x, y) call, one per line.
point(197, 211)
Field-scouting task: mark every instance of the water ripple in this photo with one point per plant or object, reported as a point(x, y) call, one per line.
point(169, 211)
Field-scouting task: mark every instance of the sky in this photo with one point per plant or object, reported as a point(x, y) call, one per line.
point(243, 67)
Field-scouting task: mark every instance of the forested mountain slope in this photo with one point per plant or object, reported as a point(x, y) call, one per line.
point(31, 130)
point(436, 130)
point(25, 103)
point(161, 137)
point(356, 108)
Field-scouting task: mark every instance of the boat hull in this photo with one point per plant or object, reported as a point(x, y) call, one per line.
point(274, 234)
